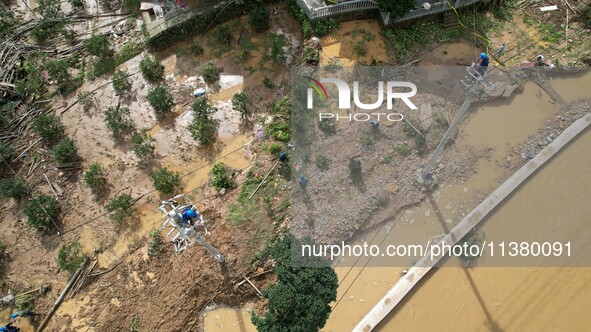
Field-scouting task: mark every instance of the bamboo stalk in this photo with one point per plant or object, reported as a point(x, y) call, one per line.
point(62, 296)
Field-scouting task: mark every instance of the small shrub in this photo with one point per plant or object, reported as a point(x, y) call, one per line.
point(221, 177)
point(328, 126)
point(408, 130)
point(3, 254)
point(243, 56)
point(259, 19)
point(355, 169)
point(155, 246)
point(310, 55)
point(388, 157)
point(196, 48)
point(382, 201)
point(135, 324)
point(360, 48)
point(13, 188)
point(143, 144)
point(277, 52)
point(86, 99)
point(275, 148)
point(322, 162)
point(119, 122)
point(98, 45)
point(210, 73)
point(366, 140)
point(166, 181)
point(25, 302)
point(151, 69)
point(121, 82)
point(403, 149)
point(49, 127)
point(70, 257)
point(267, 83)
point(161, 100)
point(421, 143)
point(65, 151)
point(121, 208)
point(240, 103)
point(223, 34)
point(95, 177)
point(203, 128)
point(42, 212)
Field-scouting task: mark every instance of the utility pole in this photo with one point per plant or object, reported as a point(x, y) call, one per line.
point(474, 84)
point(182, 235)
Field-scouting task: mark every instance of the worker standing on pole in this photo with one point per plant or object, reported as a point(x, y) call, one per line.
point(483, 64)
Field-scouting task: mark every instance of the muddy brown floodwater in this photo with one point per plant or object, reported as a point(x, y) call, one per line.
point(514, 299)
point(496, 127)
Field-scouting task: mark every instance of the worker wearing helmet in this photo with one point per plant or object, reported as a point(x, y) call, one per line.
point(483, 63)
point(9, 328)
point(190, 216)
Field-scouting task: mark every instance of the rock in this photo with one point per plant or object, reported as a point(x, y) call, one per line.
point(549, 139)
point(426, 116)
point(391, 187)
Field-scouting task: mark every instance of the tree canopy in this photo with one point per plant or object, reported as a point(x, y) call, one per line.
point(396, 8)
point(300, 300)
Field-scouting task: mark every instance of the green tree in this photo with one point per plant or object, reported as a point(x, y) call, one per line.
point(98, 45)
point(166, 181)
point(78, 4)
point(70, 257)
point(6, 154)
point(210, 73)
point(143, 144)
point(121, 208)
point(240, 103)
point(49, 127)
point(13, 188)
point(131, 6)
point(32, 83)
point(42, 212)
point(300, 299)
point(118, 121)
point(161, 100)
point(259, 19)
point(396, 8)
point(355, 169)
point(58, 71)
point(48, 8)
point(95, 178)
point(220, 177)
point(121, 82)
point(204, 127)
point(65, 151)
point(151, 69)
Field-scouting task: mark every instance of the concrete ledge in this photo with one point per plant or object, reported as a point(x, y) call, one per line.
point(471, 220)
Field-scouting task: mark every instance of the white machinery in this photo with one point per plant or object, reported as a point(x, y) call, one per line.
point(184, 235)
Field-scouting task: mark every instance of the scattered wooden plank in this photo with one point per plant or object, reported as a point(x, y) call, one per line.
point(255, 287)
